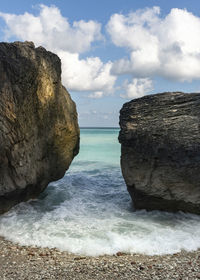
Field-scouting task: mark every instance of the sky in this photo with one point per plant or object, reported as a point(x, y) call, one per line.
point(112, 51)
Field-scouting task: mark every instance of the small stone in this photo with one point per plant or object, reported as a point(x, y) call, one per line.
point(119, 254)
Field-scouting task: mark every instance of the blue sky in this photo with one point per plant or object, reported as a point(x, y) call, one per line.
point(112, 51)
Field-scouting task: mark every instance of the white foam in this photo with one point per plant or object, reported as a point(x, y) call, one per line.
point(89, 212)
point(85, 220)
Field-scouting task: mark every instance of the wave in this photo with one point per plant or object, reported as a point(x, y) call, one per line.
point(90, 212)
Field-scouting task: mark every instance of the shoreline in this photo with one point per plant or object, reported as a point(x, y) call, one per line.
point(27, 262)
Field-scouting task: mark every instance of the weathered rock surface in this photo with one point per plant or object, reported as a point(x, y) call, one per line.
point(39, 133)
point(160, 151)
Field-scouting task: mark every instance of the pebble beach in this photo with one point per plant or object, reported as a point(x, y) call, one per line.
point(24, 262)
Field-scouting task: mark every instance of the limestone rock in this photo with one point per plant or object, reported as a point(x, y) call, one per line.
point(39, 133)
point(160, 151)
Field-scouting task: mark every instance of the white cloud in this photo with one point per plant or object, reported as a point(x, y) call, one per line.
point(50, 29)
point(53, 31)
point(169, 47)
point(89, 74)
point(137, 88)
point(96, 94)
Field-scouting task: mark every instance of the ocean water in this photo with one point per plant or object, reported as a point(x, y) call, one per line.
point(90, 212)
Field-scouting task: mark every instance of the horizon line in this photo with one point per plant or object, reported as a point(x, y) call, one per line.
point(100, 127)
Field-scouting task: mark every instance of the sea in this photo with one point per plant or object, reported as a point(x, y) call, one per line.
point(89, 211)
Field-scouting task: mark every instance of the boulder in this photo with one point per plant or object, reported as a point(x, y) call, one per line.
point(160, 151)
point(39, 133)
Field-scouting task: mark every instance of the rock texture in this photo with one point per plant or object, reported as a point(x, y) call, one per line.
point(160, 151)
point(39, 133)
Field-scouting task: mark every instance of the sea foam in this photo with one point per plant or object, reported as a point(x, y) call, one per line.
point(90, 212)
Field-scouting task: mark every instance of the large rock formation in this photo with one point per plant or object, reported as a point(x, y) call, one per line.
point(39, 134)
point(160, 151)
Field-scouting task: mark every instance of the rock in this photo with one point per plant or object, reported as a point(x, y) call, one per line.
point(39, 133)
point(160, 151)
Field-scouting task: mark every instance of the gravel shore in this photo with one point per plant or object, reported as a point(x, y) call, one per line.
point(21, 262)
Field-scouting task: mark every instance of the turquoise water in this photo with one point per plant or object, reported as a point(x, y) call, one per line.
point(90, 212)
point(99, 146)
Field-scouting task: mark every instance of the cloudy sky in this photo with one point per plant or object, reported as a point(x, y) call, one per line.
point(112, 50)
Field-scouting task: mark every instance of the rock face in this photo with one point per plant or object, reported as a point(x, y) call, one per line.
point(160, 151)
point(39, 133)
